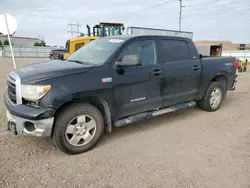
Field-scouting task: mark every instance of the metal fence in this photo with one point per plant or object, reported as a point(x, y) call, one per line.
point(242, 55)
point(33, 51)
point(38, 51)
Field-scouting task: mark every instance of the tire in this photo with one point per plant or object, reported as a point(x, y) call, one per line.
point(218, 91)
point(72, 133)
point(240, 69)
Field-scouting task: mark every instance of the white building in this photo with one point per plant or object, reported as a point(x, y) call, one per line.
point(20, 41)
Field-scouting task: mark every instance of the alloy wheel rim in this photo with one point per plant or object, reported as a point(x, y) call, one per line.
point(215, 98)
point(81, 130)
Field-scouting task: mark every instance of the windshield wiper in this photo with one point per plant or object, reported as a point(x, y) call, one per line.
point(76, 61)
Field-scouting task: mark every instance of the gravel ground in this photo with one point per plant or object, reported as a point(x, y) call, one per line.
point(191, 148)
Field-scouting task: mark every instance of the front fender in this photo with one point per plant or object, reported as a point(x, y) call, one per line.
point(101, 100)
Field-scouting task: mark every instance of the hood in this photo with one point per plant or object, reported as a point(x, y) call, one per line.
point(49, 69)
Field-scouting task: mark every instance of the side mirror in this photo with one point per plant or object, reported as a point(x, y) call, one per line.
point(129, 60)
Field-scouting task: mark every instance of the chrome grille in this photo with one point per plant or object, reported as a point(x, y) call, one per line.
point(14, 88)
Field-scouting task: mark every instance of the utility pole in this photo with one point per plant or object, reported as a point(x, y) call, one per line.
point(74, 30)
point(180, 14)
point(71, 32)
point(77, 29)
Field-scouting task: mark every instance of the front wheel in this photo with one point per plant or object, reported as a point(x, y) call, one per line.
point(78, 128)
point(213, 97)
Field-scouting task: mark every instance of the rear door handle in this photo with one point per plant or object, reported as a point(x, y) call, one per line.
point(196, 67)
point(157, 72)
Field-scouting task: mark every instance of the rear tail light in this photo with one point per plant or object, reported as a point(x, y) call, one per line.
point(236, 64)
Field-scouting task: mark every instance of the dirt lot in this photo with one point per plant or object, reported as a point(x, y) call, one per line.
point(186, 149)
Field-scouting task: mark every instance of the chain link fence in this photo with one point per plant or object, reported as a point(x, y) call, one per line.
point(242, 55)
point(33, 51)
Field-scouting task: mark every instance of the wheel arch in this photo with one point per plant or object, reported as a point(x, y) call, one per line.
point(98, 102)
point(221, 78)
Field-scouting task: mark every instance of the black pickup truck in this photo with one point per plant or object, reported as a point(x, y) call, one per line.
point(113, 81)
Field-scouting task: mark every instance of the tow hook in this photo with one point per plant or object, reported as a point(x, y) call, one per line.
point(12, 127)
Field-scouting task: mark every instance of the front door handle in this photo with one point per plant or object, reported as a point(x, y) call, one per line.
point(196, 67)
point(157, 72)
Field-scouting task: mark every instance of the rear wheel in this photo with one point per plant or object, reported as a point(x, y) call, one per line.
point(213, 97)
point(78, 128)
point(240, 69)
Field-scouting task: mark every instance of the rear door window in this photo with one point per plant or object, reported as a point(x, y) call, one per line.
point(174, 50)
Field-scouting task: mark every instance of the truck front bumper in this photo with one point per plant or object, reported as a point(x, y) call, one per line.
point(27, 120)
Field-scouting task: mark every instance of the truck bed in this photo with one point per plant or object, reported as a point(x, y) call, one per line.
point(216, 57)
point(219, 65)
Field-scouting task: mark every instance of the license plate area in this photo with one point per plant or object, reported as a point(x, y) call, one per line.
point(9, 116)
point(11, 125)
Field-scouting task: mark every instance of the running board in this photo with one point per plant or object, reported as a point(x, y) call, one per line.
point(149, 115)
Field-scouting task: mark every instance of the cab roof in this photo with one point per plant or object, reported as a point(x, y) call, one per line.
point(127, 37)
point(112, 23)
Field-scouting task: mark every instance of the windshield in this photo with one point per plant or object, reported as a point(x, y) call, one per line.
point(96, 52)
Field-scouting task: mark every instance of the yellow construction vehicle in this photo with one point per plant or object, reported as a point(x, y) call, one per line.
point(100, 30)
point(242, 66)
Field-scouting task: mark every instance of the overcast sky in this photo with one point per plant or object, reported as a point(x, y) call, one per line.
point(207, 19)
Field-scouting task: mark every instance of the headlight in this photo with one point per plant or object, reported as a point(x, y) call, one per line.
point(34, 92)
